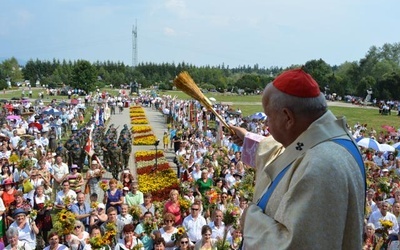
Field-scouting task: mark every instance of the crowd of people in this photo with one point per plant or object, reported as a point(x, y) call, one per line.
point(216, 179)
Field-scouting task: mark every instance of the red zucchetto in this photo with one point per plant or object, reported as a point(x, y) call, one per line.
point(298, 83)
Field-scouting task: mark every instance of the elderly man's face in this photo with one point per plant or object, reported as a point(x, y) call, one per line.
point(276, 119)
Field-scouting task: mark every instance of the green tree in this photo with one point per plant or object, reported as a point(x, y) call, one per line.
point(11, 70)
point(84, 76)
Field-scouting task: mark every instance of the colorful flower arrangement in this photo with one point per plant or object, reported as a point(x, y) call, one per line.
point(184, 204)
point(94, 205)
point(25, 164)
point(64, 222)
point(245, 188)
point(159, 211)
point(68, 200)
point(231, 216)
point(136, 212)
point(135, 109)
point(33, 214)
point(145, 140)
point(139, 121)
point(149, 226)
point(104, 185)
point(145, 162)
point(141, 129)
point(180, 231)
point(147, 155)
point(154, 182)
point(110, 231)
point(13, 158)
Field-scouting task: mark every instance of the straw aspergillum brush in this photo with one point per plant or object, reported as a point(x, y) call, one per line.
point(185, 83)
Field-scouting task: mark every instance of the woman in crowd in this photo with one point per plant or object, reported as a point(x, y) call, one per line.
point(159, 244)
point(147, 205)
point(172, 206)
point(54, 240)
point(127, 178)
point(93, 176)
point(183, 243)
point(79, 235)
point(222, 204)
point(8, 194)
point(26, 227)
point(370, 239)
point(43, 219)
point(75, 179)
point(6, 174)
point(167, 231)
point(129, 240)
point(36, 180)
point(18, 203)
point(204, 183)
point(98, 216)
point(236, 239)
point(44, 171)
point(206, 241)
point(113, 197)
point(13, 238)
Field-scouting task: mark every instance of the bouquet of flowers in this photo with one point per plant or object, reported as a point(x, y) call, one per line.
point(25, 164)
point(97, 242)
point(64, 222)
point(138, 246)
point(384, 185)
point(231, 216)
point(68, 200)
point(13, 158)
point(48, 203)
point(184, 204)
point(104, 185)
point(120, 185)
point(94, 205)
point(158, 212)
point(210, 199)
point(231, 219)
point(180, 231)
point(136, 212)
point(33, 214)
point(110, 232)
point(149, 225)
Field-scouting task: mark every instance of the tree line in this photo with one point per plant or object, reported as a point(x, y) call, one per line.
point(378, 70)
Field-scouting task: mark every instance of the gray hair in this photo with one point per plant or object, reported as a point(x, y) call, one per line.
point(12, 232)
point(371, 225)
point(298, 105)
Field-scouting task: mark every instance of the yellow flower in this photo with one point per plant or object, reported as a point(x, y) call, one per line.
point(181, 230)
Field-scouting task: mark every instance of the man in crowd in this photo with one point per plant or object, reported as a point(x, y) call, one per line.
point(193, 223)
point(310, 151)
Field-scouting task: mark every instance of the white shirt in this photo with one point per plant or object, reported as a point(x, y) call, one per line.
point(60, 171)
point(127, 219)
point(60, 196)
point(60, 247)
point(377, 215)
point(193, 227)
point(20, 245)
point(218, 232)
point(25, 234)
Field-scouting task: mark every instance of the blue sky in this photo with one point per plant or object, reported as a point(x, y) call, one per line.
point(206, 32)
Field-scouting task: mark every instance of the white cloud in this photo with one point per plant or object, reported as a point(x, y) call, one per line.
point(177, 6)
point(169, 31)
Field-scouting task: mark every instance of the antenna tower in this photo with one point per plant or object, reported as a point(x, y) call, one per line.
point(134, 45)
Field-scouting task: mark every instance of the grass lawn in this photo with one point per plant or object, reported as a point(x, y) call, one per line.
point(35, 94)
point(252, 104)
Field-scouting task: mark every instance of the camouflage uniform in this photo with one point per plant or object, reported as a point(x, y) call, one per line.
point(126, 148)
point(115, 154)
